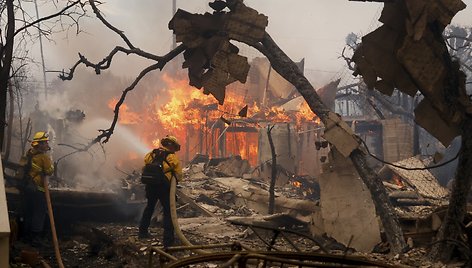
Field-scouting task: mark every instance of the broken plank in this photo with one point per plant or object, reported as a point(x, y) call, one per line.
point(186, 199)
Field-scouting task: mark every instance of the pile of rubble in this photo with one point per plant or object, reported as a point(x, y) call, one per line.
point(223, 201)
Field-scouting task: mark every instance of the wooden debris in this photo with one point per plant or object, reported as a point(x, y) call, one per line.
point(391, 185)
point(397, 139)
point(186, 199)
point(212, 61)
point(428, 118)
point(246, 24)
point(411, 202)
point(406, 54)
point(256, 199)
point(328, 92)
point(229, 167)
point(404, 195)
point(279, 220)
point(210, 227)
point(424, 64)
point(421, 181)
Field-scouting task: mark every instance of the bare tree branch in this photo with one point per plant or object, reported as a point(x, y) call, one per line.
point(161, 62)
point(113, 28)
point(59, 13)
point(106, 133)
point(450, 36)
point(106, 62)
point(350, 86)
point(349, 61)
point(466, 66)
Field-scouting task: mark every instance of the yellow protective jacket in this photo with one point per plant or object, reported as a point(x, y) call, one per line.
point(41, 165)
point(172, 166)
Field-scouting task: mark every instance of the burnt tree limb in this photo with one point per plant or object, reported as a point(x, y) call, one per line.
point(287, 68)
point(452, 227)
point(6, 54)
point(451, 230)
point(273, 171)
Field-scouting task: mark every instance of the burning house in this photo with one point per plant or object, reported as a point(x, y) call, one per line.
point(237, 128)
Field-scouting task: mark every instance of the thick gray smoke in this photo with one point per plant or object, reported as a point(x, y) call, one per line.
point(102, 167)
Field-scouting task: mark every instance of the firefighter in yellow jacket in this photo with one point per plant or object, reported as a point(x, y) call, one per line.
point(157, 187)
point(38, 165)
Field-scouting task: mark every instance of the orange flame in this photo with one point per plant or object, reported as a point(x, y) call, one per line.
point(305, 114)
point(194, 118)
point(127, 117)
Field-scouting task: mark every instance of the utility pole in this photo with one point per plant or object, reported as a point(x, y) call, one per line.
point(42, 54)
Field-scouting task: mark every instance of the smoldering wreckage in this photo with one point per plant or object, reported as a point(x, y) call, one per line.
point(323, 213)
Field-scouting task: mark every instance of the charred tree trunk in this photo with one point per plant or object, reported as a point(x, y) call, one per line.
point(10, 122)
point(454, 89)
point(452, 227)
point(287, 68)
point(273, 173)
point(6, 54)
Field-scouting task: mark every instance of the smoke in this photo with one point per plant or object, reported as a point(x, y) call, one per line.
point(103, 166)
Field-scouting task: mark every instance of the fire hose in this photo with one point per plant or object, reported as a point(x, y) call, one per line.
point(53, 226)
point(175, 223)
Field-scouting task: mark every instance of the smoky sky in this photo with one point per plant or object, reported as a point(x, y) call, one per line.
point(310, 29)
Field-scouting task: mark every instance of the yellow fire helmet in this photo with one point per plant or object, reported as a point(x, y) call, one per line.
point(39, 136)
point(168, 139)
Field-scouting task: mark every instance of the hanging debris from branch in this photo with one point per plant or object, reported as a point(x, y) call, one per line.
point(212, 61)
point(406, 53)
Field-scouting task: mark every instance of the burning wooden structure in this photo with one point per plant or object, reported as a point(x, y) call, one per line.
point(239, 126)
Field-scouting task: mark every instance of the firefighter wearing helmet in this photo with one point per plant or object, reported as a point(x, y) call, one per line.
point(162, 164)
point(38, 164)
